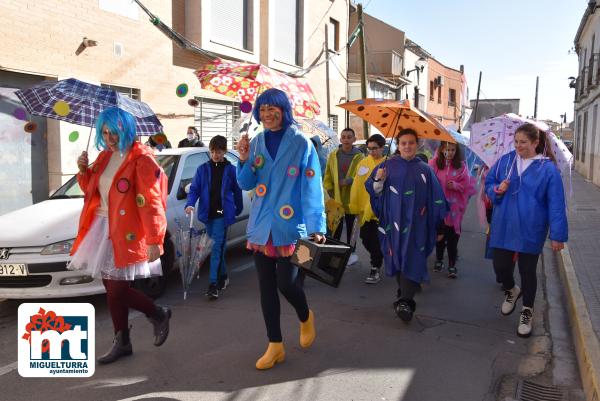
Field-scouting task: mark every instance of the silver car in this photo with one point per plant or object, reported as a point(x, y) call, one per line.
point(36, 240)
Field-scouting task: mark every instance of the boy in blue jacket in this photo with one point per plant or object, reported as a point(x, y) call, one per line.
point(220, 200)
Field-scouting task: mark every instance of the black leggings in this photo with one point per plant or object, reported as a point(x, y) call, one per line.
point(406, 288)
point(349, 219)
point(274, 274)
point(449, 241)
point(504, 266)
point(370, 239)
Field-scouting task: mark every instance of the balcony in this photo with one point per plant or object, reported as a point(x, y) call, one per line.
point(583, 88)
point(383, 63)
point(594, 65)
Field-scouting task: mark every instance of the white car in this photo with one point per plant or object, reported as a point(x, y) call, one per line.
point(36, 240)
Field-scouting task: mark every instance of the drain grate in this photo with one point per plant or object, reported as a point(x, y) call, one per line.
point(529, 391)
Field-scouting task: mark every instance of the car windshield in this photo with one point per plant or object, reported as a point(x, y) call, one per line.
point(71, 189)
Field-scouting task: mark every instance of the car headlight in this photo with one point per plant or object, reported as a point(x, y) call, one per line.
point(58, 248)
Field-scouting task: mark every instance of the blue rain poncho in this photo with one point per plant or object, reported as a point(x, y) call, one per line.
point(533, 205)
point(410, 208)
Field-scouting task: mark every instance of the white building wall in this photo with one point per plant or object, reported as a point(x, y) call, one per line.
point(587, 106)
point(421, 80)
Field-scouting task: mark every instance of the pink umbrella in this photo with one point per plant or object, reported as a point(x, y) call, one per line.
point(243, 81)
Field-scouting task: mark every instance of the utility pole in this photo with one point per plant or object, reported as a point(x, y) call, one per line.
point(327, 73)
point(363, 64)
point(537, 84)
point(477, 101)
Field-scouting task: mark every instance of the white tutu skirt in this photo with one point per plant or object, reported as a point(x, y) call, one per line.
point(95, 255)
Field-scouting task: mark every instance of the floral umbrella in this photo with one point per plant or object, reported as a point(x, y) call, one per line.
point(243, 81)
point(392, 116)
point(492, 138)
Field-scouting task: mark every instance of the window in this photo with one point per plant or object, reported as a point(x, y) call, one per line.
point(584, 138)
point(231, 23)
point(131, 93)
point(578, 138)
point(439, 94)
point(190, 166)
point(232, 158)
point(451, 97)
point(421, 103)
point(127, 9)
point(333, 122)
point(215, 117)
point(287, 31)
point(333, 35)
point(431, 91)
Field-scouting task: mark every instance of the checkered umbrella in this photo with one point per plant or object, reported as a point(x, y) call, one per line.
point(80, 103)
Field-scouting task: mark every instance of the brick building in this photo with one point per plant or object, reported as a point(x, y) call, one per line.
point(445, 93)
point(43, 41)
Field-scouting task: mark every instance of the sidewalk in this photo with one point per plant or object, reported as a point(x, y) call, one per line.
point(580, 270)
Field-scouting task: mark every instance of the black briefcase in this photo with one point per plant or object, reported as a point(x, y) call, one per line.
point(323, 262)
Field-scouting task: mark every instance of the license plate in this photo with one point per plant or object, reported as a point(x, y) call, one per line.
point(13, 269)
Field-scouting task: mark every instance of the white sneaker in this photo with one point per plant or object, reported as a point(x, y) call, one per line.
point(525, 322)
point(352, 259)
point(508, 306)
point(373, 277)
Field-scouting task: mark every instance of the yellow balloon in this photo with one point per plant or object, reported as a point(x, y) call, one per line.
point(61, 108)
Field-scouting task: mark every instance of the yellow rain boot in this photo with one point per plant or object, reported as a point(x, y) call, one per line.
point(307, 331)
point(274, 354)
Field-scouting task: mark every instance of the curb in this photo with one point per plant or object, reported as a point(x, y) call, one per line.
point(587, 346)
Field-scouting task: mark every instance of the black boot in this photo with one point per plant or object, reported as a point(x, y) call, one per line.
point(405, 308)
point(160, 321)
point(121, 347)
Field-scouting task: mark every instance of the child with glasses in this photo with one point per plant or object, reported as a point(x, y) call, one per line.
point(360, 204)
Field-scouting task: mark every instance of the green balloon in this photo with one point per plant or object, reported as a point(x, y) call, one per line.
point(74, 136)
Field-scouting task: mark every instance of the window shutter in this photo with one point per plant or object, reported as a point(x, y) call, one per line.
point(286, 31)
point(228, 22)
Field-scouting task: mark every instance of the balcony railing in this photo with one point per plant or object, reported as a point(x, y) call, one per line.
point(594, 70)
point(583, 81)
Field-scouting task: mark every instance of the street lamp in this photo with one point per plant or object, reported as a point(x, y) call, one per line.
point(563, 119)
point(419, 67)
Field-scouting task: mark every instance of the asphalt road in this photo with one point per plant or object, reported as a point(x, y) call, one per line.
point(458, 347)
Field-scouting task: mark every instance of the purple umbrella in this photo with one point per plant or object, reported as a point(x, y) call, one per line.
point(80, 103)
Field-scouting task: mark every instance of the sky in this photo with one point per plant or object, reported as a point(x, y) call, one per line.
point(509, 41)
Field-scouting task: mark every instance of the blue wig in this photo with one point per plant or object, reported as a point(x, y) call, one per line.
point(119, 122)
point(278, 98)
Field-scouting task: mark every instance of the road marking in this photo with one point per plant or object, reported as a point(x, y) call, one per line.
point(8, 368)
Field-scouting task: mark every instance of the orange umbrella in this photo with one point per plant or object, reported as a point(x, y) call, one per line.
point(392, 116)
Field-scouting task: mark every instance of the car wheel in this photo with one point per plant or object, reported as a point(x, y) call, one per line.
point(155, 287)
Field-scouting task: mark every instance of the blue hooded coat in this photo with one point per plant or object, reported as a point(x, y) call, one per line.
point(410, 208)
point(533, 203)
point(231, 194)
point(288, 199)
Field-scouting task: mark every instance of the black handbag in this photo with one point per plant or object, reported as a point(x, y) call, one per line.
point(324, 262)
